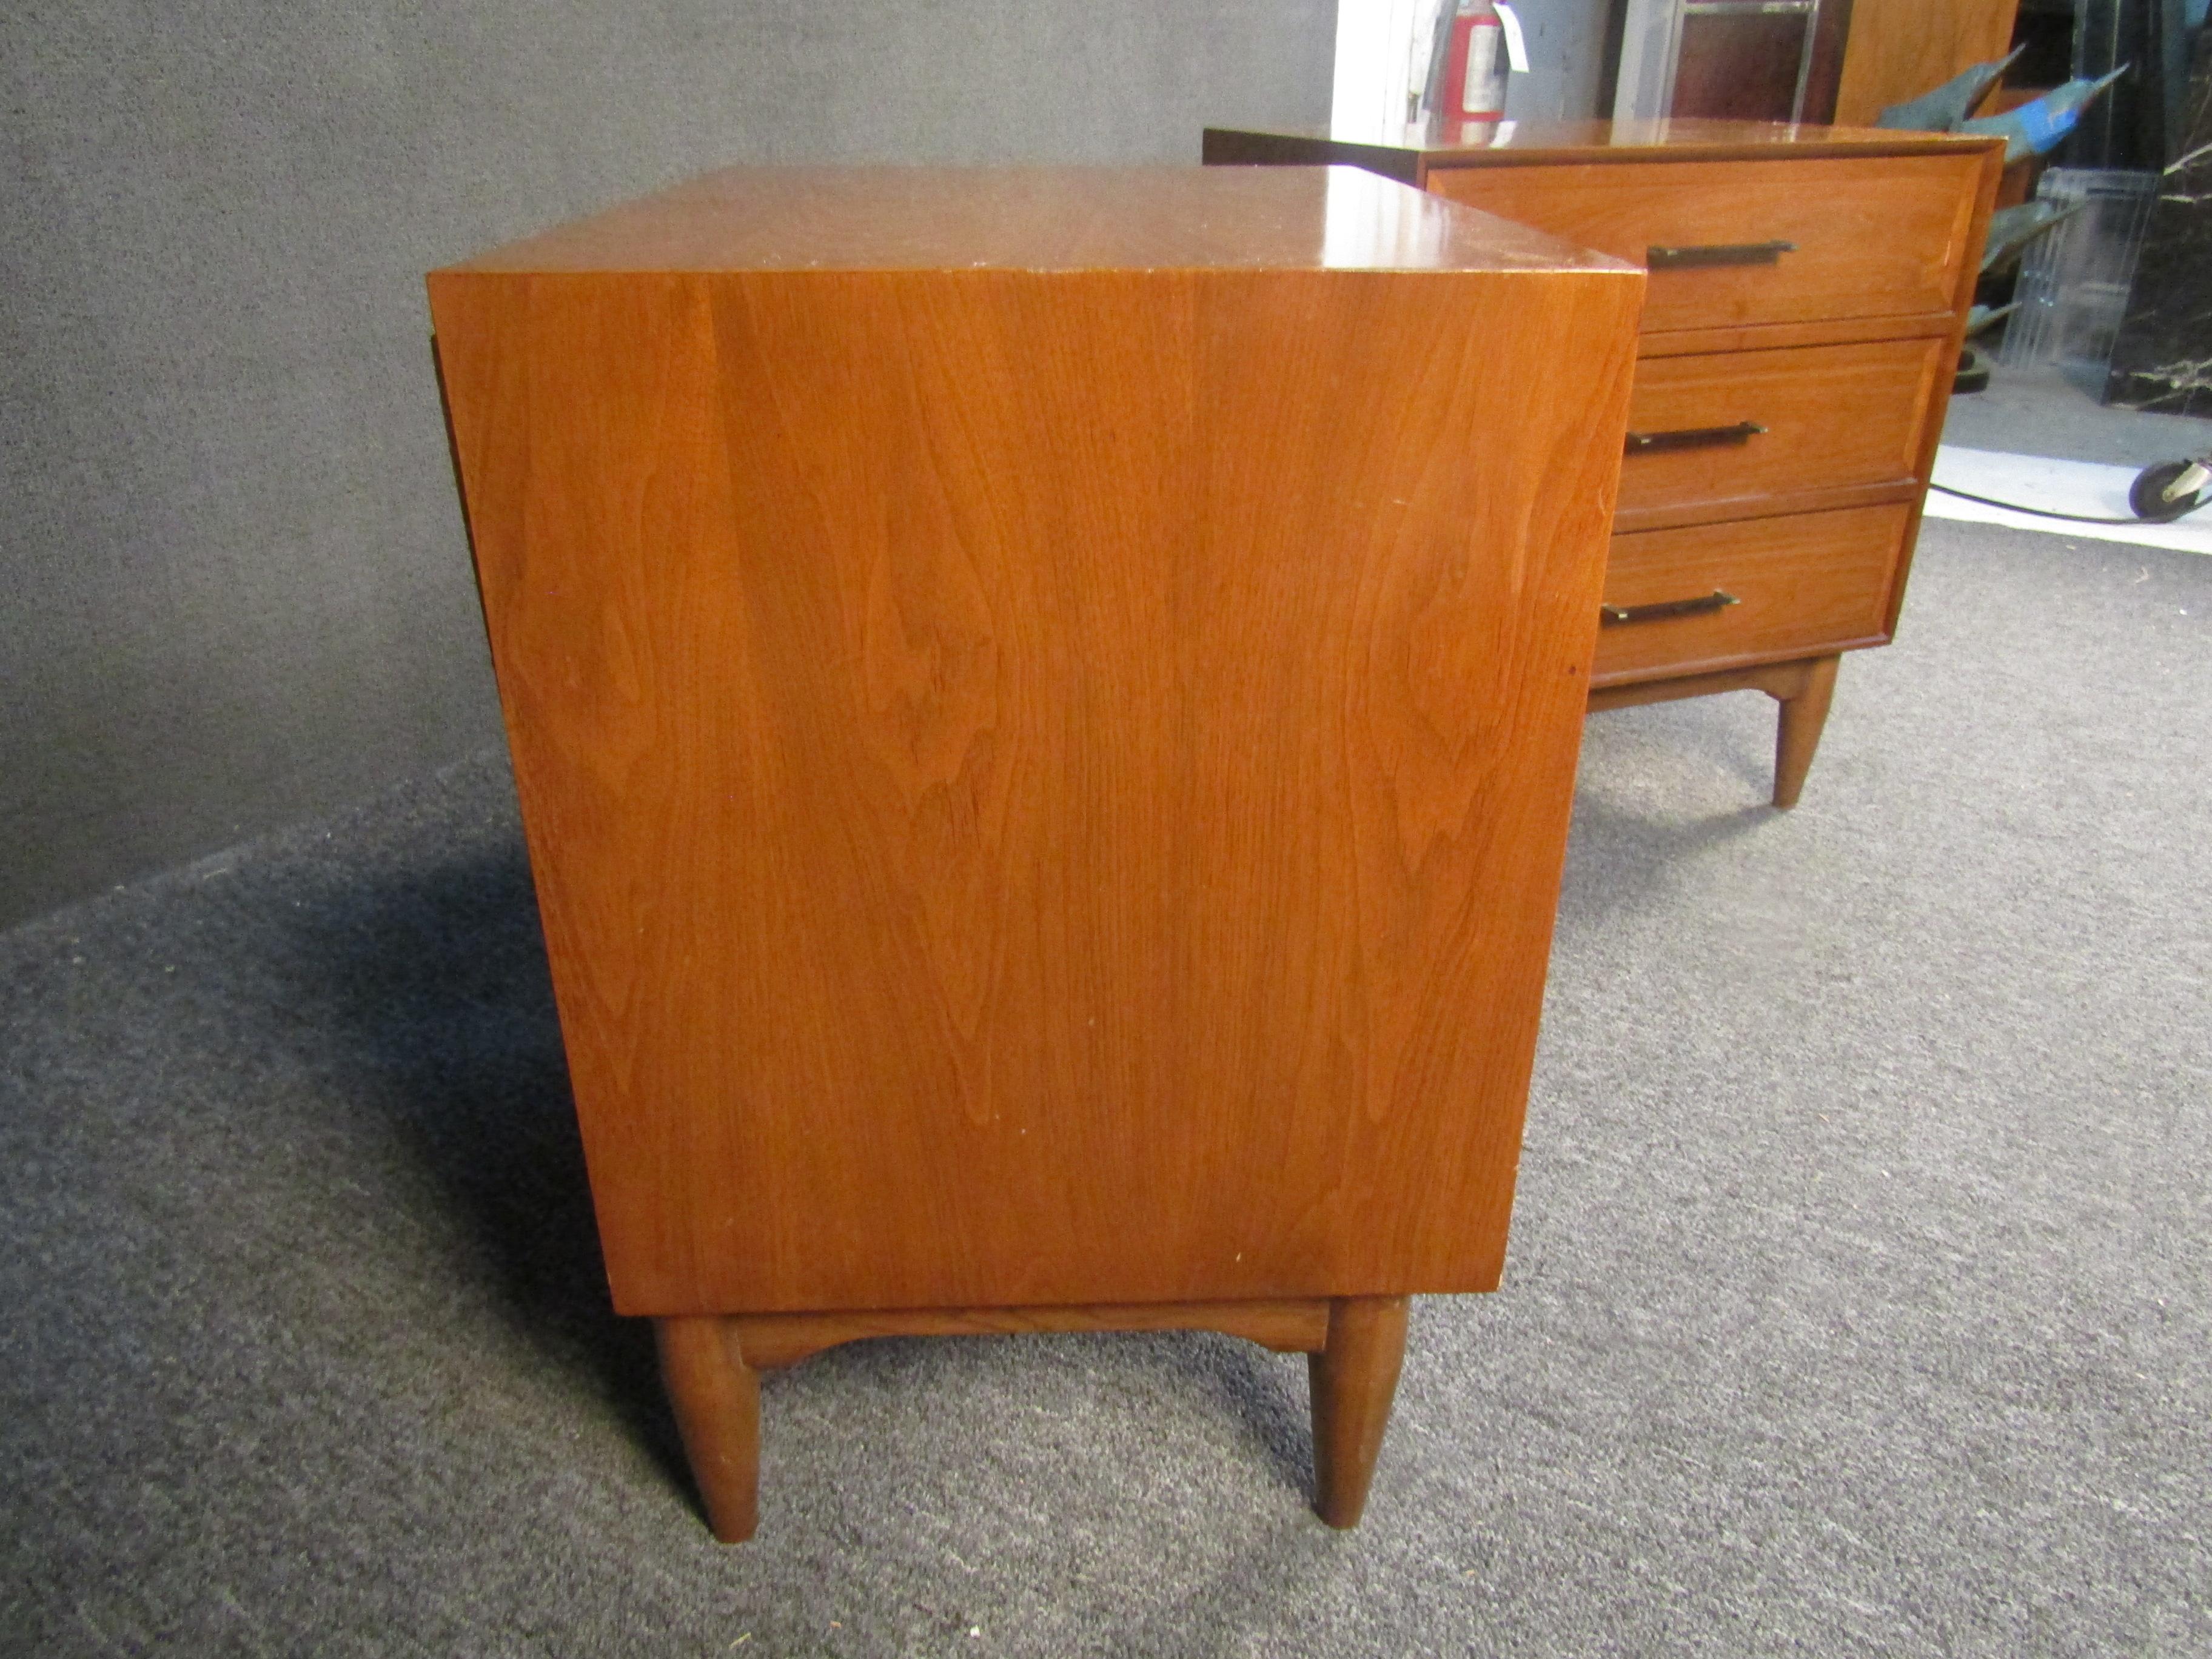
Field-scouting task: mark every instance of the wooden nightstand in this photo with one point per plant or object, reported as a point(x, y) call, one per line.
point(1046, 768)
point(1809, 291)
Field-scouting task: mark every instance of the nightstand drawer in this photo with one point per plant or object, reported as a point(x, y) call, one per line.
point(1758, 589)
point(1725, 435)
point(1753, 241)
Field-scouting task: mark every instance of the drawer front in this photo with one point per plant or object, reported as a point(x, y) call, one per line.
point(1828, 419)
point(1802, 583)
point(1877, 236)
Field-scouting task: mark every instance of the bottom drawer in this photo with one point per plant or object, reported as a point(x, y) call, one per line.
point(1802, 584)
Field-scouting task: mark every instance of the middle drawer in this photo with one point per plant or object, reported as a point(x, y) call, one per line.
point(1732, 435)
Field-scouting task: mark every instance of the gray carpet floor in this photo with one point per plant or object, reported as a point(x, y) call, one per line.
point(2047, 411)
point(1857, 1300)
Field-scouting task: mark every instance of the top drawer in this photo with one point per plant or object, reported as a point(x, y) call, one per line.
point(1869, 236)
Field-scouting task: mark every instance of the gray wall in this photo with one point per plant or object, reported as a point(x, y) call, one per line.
point(1567, 59)
point(236, 589)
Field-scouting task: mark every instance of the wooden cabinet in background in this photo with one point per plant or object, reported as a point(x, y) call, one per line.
point(1046, 753)
point(1759, 60)
point(1809, 290)
point(1900, 49)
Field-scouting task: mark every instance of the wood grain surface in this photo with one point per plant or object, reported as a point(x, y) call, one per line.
point(1779, 680)
point(715, 1396)
point(1900, 49)
point(1773, 336)
point(1843, 423)
point(1843, 348)
point(1354, 1381)
point(770, 1341)
point(1407, 150)
point(1797, 731)
point(1803, 582)
point(907, 219)
point(712, 1364)
point(1742, 64)
point(1874, 236)
point(1045, 786)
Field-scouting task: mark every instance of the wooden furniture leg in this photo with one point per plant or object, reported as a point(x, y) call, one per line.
point(716, 1397)
point(711, 1365)
point(1803, 688)
point(1798, 732)
point(1355, 1378)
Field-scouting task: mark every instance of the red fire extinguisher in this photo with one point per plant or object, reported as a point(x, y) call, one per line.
point(1474, 64)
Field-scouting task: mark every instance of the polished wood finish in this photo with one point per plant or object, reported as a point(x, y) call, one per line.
point(1412, 148)
point(1841, 345)
point(1738, 66)
point(712, 1365)
point(1778, 336)
point(931, 703)
point(1800, 582)
point(1797, 733)
point(1743, 64)
point(922, 223)
point(1803, 689)
point(1289, 1325)
point(716, 1398)
point(1354, 1378)
point(1046, 770)
point(1779, 680)
point(1874, 236)
point(1843, 425)
point(1900, 49)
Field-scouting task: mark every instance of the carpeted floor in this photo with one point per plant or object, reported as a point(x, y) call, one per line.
point(1856, 1303)
point(2046, 411)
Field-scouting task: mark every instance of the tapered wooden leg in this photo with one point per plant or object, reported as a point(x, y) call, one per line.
point(716, 1396)
point(1798, 733)
point(1355, 1378)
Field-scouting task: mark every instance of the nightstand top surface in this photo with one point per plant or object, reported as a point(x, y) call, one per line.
point(1495, 141)
point(907, 219)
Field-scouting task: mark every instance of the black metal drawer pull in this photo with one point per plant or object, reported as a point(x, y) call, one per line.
point(1616, 615)
point(1718, 253)
point(1693, 437)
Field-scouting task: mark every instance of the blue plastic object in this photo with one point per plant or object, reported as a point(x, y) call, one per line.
point(2036, 128)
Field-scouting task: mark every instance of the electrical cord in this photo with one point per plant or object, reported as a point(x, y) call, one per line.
point(2036, 512)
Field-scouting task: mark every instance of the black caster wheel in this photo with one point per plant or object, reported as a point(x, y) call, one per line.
point(2147, 496)
point(1974, 374)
